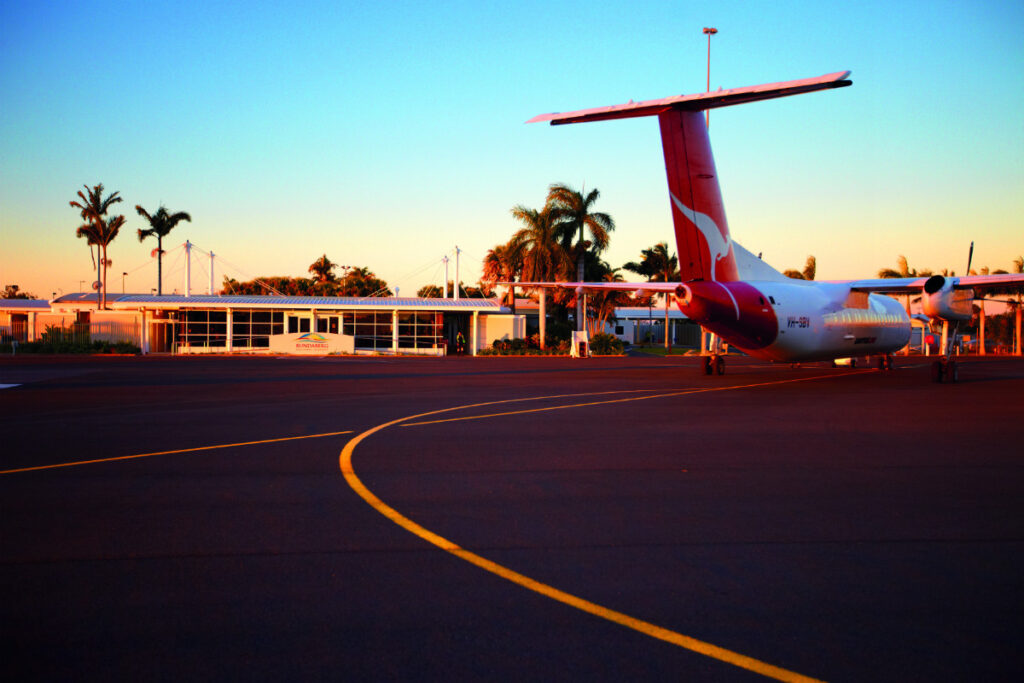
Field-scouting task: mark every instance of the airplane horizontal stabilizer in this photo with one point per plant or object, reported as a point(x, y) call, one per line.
point(699, 101)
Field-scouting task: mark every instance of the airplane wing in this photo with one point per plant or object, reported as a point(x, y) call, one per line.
point(599, 286)
point(914, 285)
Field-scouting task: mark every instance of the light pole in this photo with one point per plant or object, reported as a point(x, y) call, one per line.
point(709, 32)
point(122, 281)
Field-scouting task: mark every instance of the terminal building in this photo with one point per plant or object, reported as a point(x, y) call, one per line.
point(269, 324)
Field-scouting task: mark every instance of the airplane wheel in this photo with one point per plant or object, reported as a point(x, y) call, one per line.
point(707, 365)
point(890, 362)
point(853, 363)
point(882, 363)
point(938, 370)
point(720, 365)
point(952, 371)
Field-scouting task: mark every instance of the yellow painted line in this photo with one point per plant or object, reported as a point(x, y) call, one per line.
point(647, 628)
point(614, 400)
point(182, 450)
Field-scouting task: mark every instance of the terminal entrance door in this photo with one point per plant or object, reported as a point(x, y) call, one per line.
point(161, 336)
point(455, 323)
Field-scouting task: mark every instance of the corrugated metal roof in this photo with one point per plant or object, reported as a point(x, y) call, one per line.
point(25, 304)
point(123, 301)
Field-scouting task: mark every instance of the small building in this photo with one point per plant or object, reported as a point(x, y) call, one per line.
point(271, 324)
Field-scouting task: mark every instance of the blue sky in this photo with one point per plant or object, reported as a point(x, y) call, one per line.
point(385, 134)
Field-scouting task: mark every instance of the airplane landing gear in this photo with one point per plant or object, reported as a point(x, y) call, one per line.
point(945, 371)
point(714, 365)
point(885, 362)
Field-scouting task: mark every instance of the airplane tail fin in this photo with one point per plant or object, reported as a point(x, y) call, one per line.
point(703, 241)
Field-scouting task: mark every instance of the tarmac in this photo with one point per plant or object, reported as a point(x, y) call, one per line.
point(379, 518)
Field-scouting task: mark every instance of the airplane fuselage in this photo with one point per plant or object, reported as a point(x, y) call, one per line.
point(796, 321)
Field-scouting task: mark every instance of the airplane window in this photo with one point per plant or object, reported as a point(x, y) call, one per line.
point(761, 299)
point(772, 299)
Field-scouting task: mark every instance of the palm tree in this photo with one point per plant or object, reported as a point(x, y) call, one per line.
point(657, 264)
point(810, 269)
point(605, 301)
point(323, 269)
point(502, 264)
point(97, 229)
point(903, 272)
point(536, 246)
point(573, 213)
point(101, 235)
point(160, 223)
point(1018, 267)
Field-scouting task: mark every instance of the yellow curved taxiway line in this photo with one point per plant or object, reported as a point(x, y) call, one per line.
point(647, 628)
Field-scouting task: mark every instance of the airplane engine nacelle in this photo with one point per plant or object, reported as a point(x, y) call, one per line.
point(940, 300)
point(705, 301)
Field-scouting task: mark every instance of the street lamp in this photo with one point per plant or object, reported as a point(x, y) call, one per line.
point(122, 281)
point(709, 32)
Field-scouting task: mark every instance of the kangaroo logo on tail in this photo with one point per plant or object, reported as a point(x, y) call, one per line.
point(718, 247)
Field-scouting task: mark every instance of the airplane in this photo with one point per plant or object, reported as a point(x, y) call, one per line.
point(741, 299)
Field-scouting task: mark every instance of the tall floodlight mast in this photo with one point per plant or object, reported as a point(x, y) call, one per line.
point(709, 32)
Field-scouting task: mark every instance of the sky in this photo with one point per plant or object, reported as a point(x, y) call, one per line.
point(386, 134)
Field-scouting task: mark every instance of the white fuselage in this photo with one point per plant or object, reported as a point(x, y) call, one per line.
point(800, 321)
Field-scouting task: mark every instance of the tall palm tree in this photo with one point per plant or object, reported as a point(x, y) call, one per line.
point(160, 223)
point(573, 212)
point(323, 269)
point(536, 246)
point(606, 301)
point(97, 229)
point(903, 271)
point(101, 235)
point(502, 264)
point(657, 264)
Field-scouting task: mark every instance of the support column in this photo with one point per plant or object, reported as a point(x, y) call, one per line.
point(394, 331)
point(945, 338)
point(476, 331)
point(229, 342)
point(543, 316)
point(1017, 317)
point(30, 333)
point(144, 333)
point(981, 328)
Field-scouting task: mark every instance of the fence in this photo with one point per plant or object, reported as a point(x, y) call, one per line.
point(76, 333)
point(15, 332)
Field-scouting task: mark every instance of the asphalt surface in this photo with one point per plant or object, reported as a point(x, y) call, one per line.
point(837, 524)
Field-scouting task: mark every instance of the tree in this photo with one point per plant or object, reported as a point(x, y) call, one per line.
point(904, 271)
point(98, 229)
point(536, 246)
point(604, 302)
point(323, 269)
point(363, 283)
point(14, 292)
point(502, 264)
point(160, 224)
point(810, 268)
point(1015, 303)
point(657, 264)
point(573, 213)
point(1018, 267)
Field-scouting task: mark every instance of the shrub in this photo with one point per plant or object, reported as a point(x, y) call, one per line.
point(603, 344)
